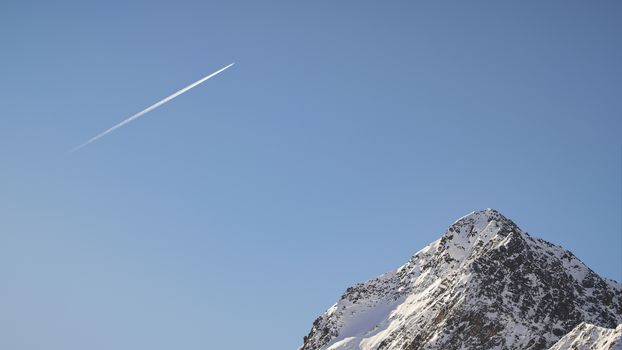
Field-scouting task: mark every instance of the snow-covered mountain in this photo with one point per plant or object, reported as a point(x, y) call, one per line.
point(589, 337)
point(485, 284)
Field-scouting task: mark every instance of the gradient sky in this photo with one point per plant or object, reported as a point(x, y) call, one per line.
point(348, 135)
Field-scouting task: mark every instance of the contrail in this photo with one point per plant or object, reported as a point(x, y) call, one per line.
point(150, 108)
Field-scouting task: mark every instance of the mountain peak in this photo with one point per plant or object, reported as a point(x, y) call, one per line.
point(485, 215)
point(484, 284)
point(476, 230)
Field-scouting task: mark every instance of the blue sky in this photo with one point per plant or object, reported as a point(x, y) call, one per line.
point(347, 136)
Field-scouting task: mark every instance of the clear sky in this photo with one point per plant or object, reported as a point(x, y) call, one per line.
point(348, 135)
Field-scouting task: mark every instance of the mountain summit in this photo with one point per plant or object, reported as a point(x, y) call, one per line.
point(484, 284)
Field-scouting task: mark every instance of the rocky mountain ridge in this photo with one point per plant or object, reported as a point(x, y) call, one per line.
point(485, 284)
point(587, 336)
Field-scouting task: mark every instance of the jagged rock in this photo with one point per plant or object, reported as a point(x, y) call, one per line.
point(586, 336)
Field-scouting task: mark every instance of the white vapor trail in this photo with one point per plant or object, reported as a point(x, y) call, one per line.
point(151, 108)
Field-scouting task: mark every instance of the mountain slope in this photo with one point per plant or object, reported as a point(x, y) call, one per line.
point(484, 284)
point(589, 337)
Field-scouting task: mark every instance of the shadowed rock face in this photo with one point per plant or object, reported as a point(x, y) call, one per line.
point(484, 284)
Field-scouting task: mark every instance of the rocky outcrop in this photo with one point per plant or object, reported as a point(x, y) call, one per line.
point(586, 336)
